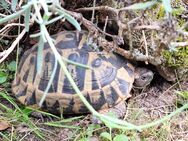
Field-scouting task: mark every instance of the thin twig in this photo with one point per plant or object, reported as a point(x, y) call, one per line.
point(10, 25)
point(179, 44)
point(145, 44)
point(2, 15)
point(137, 56)
point(93, 11)
point(106, 22)
point(130, 38)
point(11, 48)
point(99, 8)
point(151, 27)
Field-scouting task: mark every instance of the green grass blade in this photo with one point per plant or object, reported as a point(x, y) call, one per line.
point(8, 110)
point(59, 123)
point(54, 19)
point(40, 55)
point(13, 4)
point(27, 18)
point(68, 18)
point(72, 21)
point(10, 100)
point(167, 5)
point(4, 137)
point(68, 120)
point(42, 112)
point(140, 6)
point(14, 15)
point(61, 126)
point(19, 115)
point(77, 64)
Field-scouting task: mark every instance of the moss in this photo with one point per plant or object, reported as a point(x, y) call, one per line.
point(178, 11)
point(161, 12)
point(178, 58)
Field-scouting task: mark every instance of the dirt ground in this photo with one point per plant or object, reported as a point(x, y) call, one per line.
point(158, 100)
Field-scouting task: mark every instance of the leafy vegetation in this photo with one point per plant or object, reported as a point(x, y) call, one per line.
point(177, 58)
point(16, 115)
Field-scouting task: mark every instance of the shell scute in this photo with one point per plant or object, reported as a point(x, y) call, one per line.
point(31, 100)
point(108, 83)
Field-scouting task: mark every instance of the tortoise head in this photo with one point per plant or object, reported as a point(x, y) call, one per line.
point(143, 77)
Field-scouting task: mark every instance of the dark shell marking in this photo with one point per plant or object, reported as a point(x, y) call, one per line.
point(108, 83)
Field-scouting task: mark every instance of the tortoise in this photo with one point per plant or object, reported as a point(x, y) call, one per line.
point(106, 86)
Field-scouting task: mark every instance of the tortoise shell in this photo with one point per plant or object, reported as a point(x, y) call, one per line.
point(105, 85)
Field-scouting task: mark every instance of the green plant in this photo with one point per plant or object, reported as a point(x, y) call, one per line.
point(177, 58)
point(5, 6)
point(117, 137)
point(11, 67)
point(183, 94)
point(18, 115)
point(31, 11)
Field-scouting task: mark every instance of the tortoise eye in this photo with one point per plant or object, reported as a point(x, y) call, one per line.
point(97, 62)
point(143, 77)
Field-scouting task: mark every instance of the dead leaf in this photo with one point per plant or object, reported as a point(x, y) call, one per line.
point(4, 125)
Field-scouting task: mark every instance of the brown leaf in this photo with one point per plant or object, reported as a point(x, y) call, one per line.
point(4, 125)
